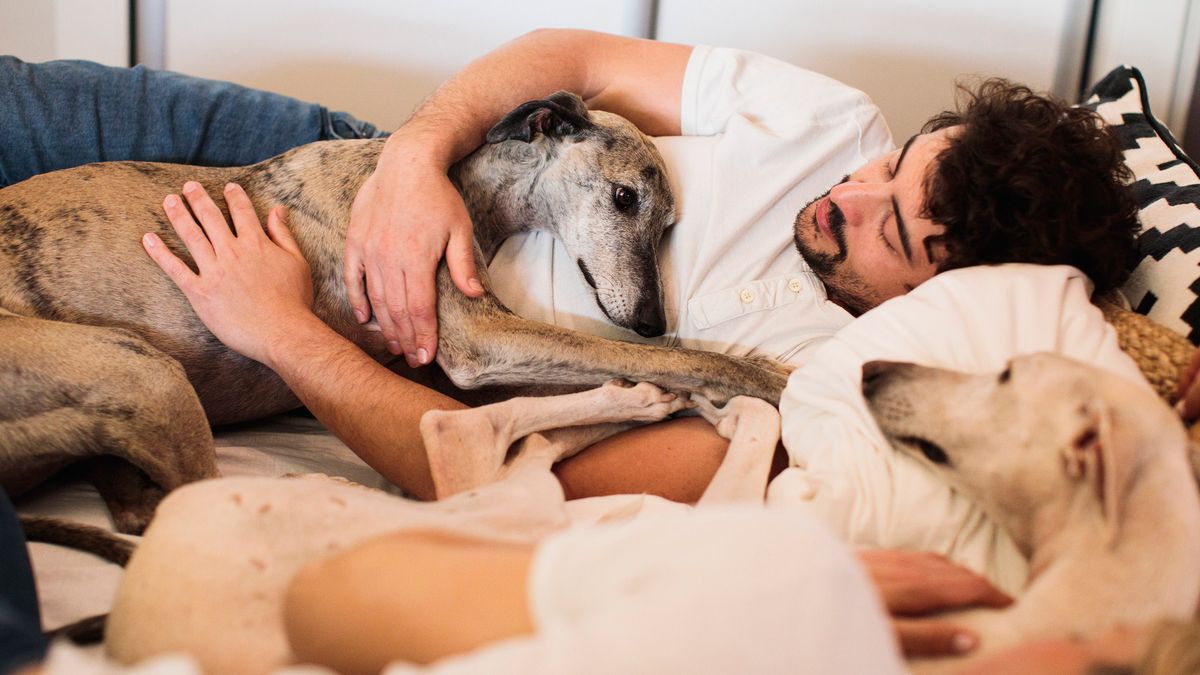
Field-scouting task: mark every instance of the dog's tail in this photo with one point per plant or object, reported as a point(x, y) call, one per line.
point(87, 631)
point(94, 540)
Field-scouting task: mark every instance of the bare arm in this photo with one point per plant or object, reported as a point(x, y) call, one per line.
point(407, 214)
point(263, 311)
point(421, 596)
point(674, 459)
point(417, 596)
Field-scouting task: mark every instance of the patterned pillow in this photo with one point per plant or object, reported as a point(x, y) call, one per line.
point(1166, 283)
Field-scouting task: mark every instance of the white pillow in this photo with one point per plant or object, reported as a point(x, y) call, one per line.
point(973, 320)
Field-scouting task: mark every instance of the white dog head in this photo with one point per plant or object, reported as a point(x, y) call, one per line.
point(1044, 441)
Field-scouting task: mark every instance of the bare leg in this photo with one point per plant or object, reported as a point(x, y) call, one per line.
point(752, 427)
point(674, 459)
point(467, 448)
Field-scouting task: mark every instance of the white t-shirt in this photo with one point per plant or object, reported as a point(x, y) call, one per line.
point(762, 139)
point(718, 590)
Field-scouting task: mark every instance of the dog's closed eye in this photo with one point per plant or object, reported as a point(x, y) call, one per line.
point(932, 451)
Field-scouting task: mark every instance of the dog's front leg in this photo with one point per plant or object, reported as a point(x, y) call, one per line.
point(482, 344)
point(752, 427)
point(542, 450)
point(467, 448)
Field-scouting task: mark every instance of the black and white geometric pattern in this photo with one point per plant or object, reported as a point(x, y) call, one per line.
point(1166, 283)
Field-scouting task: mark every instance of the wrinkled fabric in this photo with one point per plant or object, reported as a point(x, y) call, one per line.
point(972, 320)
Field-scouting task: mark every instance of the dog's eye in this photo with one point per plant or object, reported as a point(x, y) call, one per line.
point(932, 451)
point(624, 198)
point(1004, 376)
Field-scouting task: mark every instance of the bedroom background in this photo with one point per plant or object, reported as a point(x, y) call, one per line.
point(378, 58)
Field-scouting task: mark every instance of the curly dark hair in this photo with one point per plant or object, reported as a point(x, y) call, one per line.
point(1027, 178)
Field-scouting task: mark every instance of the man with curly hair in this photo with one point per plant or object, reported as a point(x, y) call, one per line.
point(753, 146)
point(1010, 176)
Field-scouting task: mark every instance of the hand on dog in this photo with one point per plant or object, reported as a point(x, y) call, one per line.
point(1188, 391)
point(249, 287)
point(918, 584)
point(405, 218)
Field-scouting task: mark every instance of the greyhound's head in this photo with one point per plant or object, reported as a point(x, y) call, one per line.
point(598, 184)
point(1045, 441)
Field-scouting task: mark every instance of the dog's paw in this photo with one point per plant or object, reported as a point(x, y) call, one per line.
point(642, 402)
point(725, 419)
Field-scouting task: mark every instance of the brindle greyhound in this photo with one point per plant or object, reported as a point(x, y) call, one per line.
point(101, 357)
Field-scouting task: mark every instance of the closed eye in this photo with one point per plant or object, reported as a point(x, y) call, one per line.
point(932, 451)
point(883, 236)
point(1005, 376)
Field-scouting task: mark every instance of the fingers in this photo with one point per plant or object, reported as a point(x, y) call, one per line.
point(405, 304)
point(189, 231)
point(929, 638)
point(241, 211)
point(919, 583)
point(168, 262)
point(209, 216)
point(354, 276)
point(377, 293)
point(421, 313)
point(460, 258)
point(280, 233)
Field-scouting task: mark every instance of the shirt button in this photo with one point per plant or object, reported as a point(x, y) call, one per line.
point(747, 295)
point(795, 285)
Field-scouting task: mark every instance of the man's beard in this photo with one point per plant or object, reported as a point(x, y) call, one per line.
point(842, 285)
point(823, 264)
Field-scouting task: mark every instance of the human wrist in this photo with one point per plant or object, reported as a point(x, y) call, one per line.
point(429, 143)
point(287, 342)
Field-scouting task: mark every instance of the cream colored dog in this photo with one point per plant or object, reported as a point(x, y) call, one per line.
point(1088, 473)
point(210, 573)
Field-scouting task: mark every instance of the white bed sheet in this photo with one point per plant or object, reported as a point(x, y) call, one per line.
point(73, 585)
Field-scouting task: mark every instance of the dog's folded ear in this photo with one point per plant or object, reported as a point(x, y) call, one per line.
point(560, 114)
point(1106, 460)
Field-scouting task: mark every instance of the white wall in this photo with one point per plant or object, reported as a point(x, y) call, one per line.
point(379, 58)
point(905, 55)
point(375, 58)
point(1162, 39)
point(41, 30)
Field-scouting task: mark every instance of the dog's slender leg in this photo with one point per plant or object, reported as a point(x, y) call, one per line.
point(752, 427)
point(482, 343)
point(74, 392)
point(540, 451)
point(468, 447)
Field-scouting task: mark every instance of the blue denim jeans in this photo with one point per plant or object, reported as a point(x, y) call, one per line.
point(21, 641)
point(60, 114)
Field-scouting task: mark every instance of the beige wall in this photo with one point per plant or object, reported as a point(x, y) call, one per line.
point(375, 58)
point(41, 30)
point(905, 55)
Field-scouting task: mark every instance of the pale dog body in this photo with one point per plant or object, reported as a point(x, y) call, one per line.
point(210, 573)
point(70, 256)
point(1087, 472)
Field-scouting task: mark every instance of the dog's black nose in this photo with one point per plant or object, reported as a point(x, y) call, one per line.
point(650, 329)
point(874, 373)
point(651, 322)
